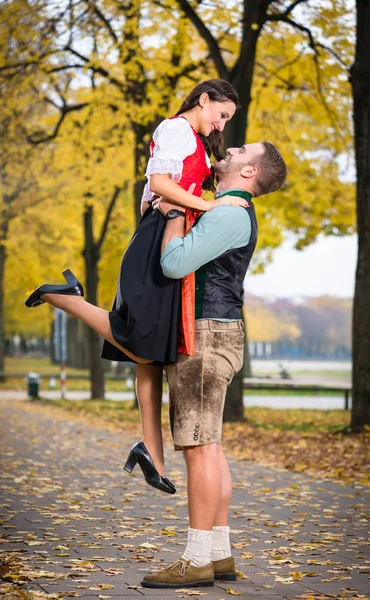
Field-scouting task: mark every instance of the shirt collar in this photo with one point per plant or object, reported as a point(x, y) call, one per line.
point(234, 192)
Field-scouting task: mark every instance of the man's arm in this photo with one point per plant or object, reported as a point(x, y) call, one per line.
point(216, 232)
point(174, 228)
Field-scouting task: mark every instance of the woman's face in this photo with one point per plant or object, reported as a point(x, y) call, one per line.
point(214, 115)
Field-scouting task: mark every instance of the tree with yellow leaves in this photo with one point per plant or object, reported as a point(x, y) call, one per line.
point(21, 166)
point(136, 60)
point(82, 217)
point(260, 45)
point(120, 90)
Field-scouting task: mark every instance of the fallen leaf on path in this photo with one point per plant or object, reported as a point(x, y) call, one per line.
point(168, 532)
point(101, 586)
point(241, 575)
point(247, 555)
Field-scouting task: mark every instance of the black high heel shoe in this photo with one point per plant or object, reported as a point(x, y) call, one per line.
point(72, 288)
point(139, 454)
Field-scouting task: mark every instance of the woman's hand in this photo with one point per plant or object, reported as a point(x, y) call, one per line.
point(230, 200)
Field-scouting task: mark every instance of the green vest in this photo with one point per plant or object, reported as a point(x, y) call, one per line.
point(201, 273)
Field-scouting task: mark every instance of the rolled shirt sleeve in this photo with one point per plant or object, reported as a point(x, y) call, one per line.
point(217, 231)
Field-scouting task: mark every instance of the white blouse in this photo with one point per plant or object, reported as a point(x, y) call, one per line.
point(174, 140)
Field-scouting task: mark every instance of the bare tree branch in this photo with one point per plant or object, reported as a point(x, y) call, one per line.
point(64, 68)
point(27, 63)
point(104, 20)
point(282, 17)
point(315, 47)
point(36, 139)
point(99, 70)
point(207, 36)
point(292, 6)
point(52, 102)
point(110, 207)
point(275, 74)
point(335, 54)
point(313, 43)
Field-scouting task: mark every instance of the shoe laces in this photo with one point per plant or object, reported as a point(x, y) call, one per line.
point(182, 564)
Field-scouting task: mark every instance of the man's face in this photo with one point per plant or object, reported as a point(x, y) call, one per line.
point(238, 158)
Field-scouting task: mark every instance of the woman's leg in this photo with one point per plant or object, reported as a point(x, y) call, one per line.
point(95, 317)
point(149, 381)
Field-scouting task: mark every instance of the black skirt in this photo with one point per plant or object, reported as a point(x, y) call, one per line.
point(146, 311)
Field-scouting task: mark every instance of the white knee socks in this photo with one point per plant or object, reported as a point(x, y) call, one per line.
point(220, 543)
point(198, 548)
point(204, 546)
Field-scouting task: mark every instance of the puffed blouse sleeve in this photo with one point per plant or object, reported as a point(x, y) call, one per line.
point(173, 141)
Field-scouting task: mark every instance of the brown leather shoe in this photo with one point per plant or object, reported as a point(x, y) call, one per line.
point(181, 574)
point(225, 569)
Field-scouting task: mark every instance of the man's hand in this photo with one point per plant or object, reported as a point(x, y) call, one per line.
point(164, 205)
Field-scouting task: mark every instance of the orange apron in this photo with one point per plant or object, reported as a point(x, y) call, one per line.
point(187, 322)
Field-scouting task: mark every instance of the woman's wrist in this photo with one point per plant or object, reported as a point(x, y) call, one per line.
point(206, 204)
point(210, 204)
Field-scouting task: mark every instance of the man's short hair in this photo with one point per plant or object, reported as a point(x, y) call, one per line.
point(272, 170)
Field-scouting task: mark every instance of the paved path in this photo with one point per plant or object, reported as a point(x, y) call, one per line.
point(78, 526)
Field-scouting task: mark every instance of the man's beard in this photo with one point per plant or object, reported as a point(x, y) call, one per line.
point(228, 167)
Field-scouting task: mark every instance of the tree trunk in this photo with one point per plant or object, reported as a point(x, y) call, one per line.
point(92, 255)
point(77, 349)
point(247, 368)
point(2, 327)
point(360, 79)
point(234, 406)
point(234, 410)
point(241, 77)
point(236, 136)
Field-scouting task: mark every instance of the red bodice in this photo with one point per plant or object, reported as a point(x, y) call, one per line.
point(195, 168)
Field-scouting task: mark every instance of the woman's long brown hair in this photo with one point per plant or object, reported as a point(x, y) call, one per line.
point(218, 90)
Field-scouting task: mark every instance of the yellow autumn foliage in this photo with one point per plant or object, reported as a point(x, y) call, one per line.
point(263, 325)
point(122, 78)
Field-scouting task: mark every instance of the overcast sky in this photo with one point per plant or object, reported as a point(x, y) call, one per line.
point(326, 267)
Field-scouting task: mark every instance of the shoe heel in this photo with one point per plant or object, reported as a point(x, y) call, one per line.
point(130, 462)
point(69, 277)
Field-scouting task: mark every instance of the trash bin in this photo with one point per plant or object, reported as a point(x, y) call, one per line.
point(33, 381)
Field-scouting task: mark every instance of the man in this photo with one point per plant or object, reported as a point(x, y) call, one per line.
point(219, 249)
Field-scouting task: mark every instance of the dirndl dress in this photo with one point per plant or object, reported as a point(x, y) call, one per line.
point(145, 317)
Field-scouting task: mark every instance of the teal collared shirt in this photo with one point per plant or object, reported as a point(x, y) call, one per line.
point(217, 231)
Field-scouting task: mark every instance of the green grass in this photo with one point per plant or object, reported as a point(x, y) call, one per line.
point(294, 420)
point(15, 364)
point(44, 366)
point(276, 392)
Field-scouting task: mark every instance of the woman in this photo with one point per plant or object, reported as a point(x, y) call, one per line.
point(145, 323)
